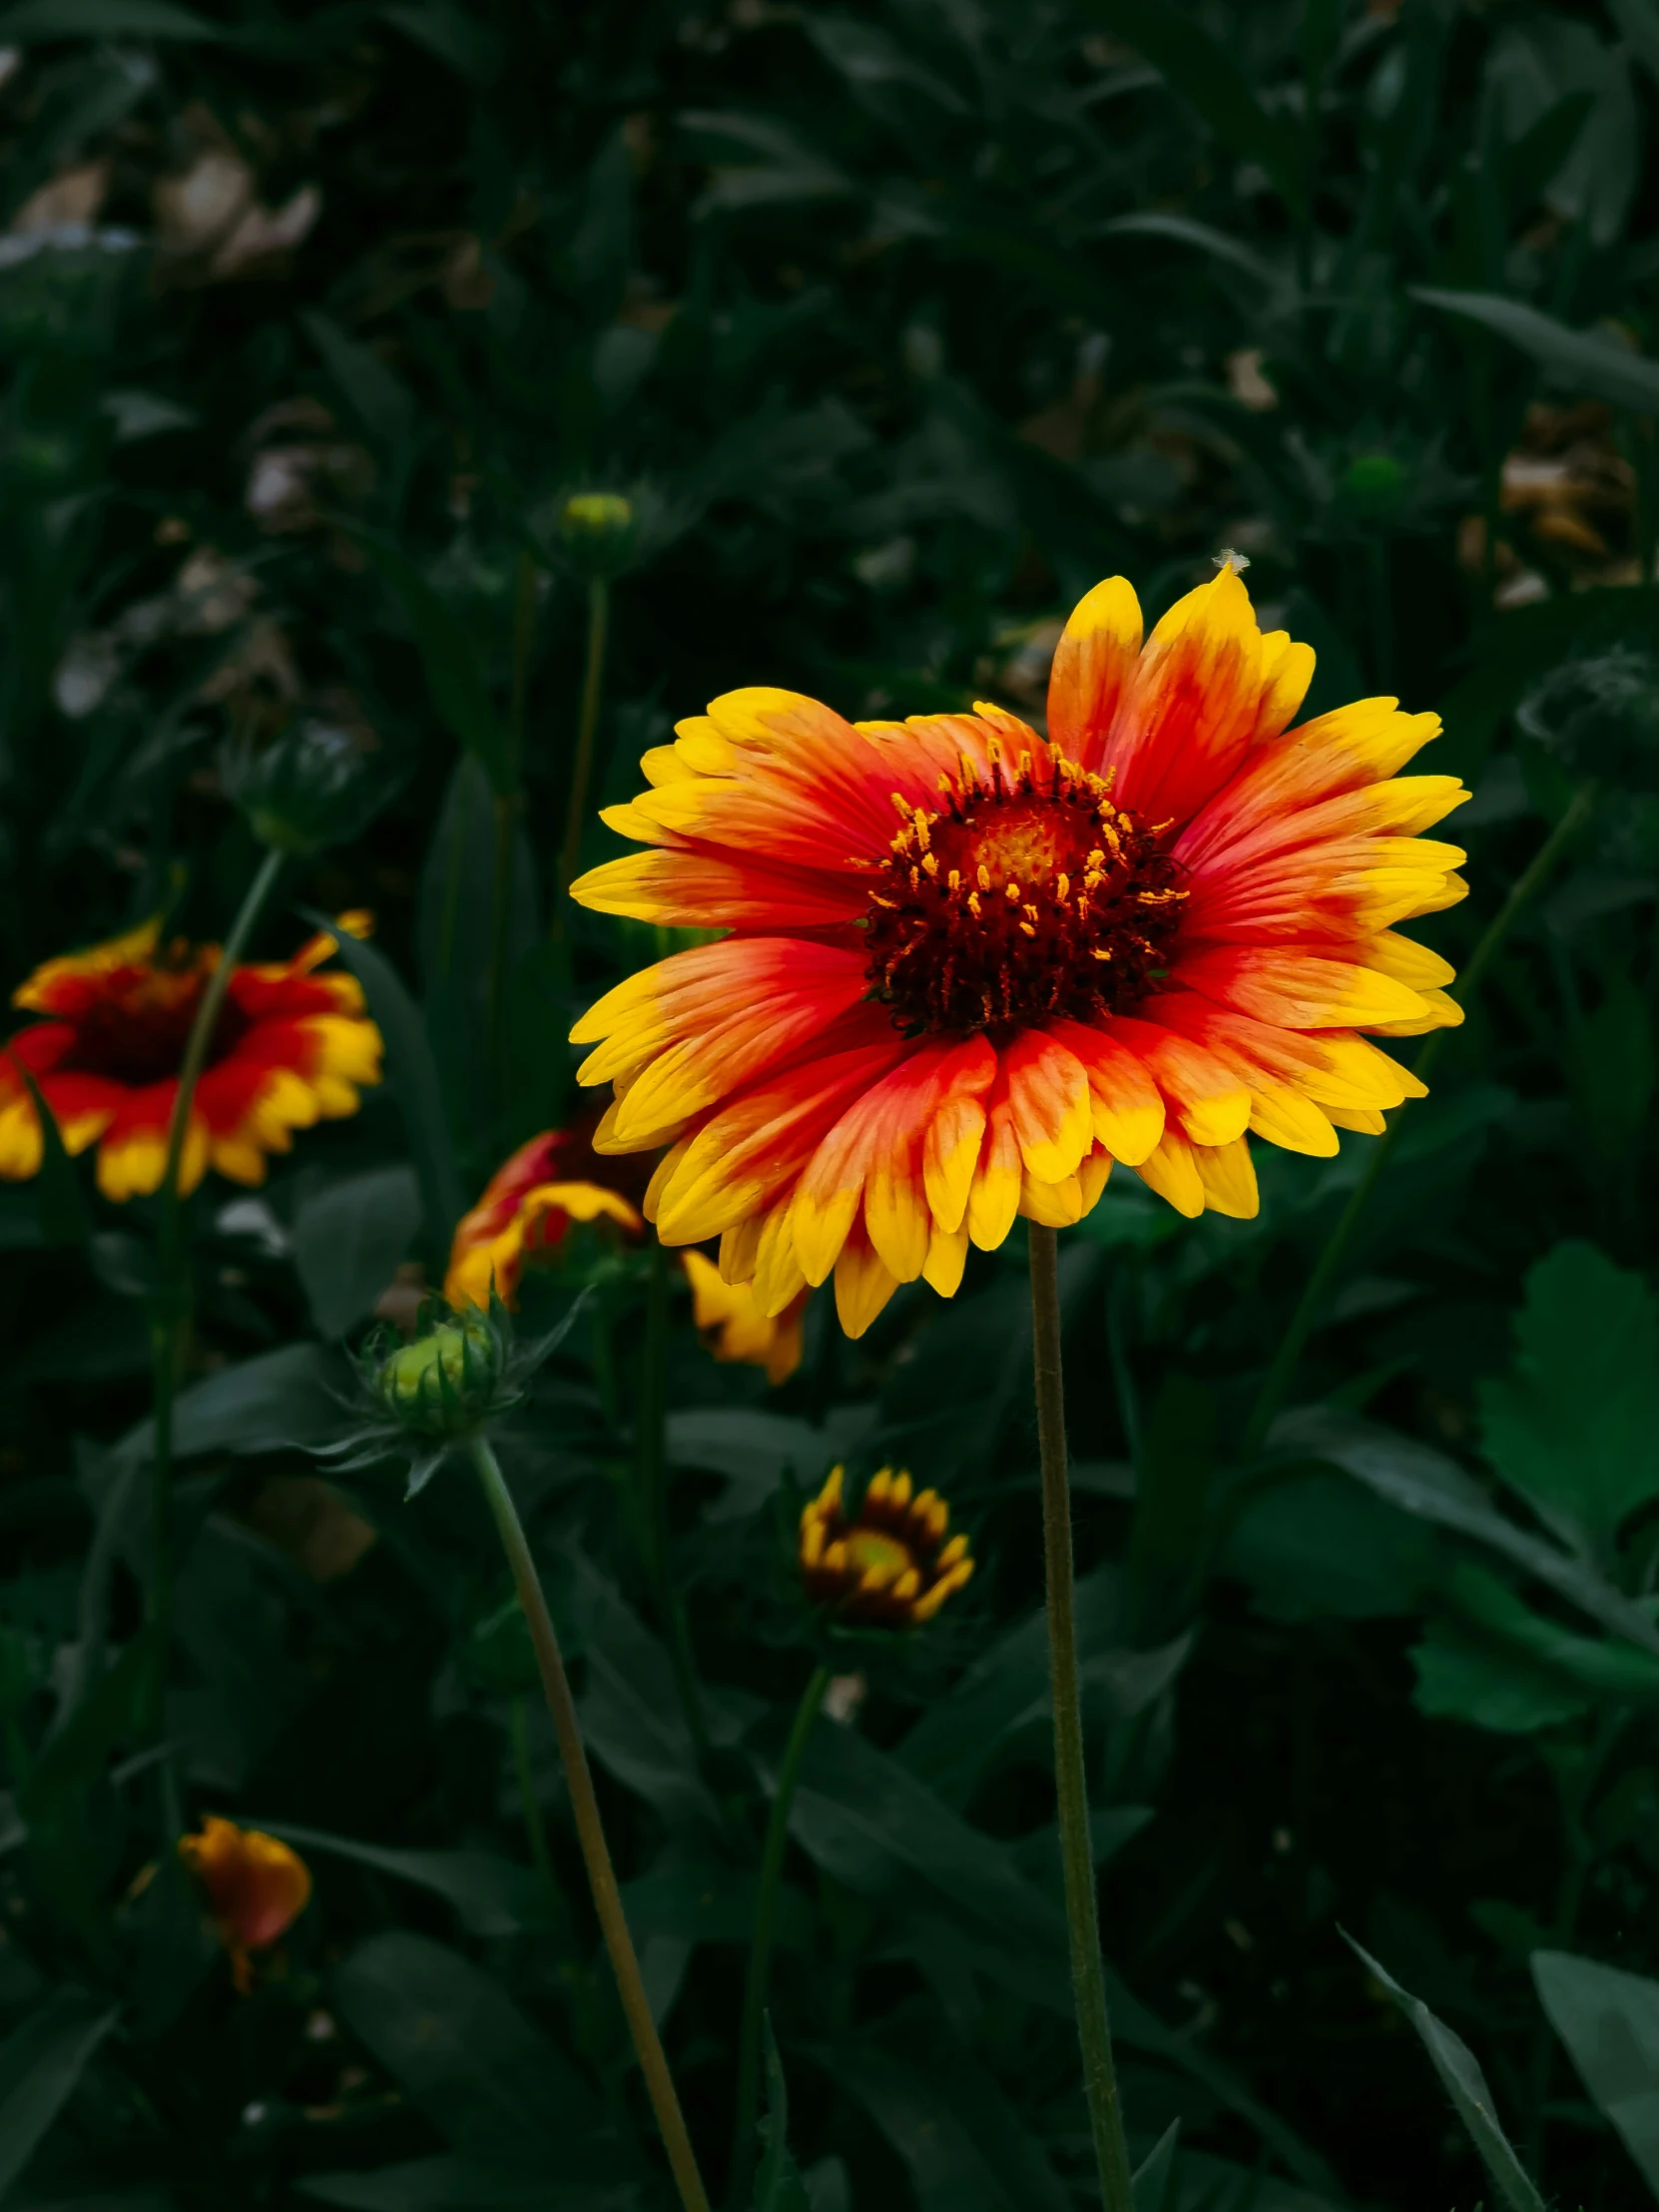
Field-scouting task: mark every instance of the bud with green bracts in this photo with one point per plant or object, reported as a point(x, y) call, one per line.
point(312, 786)
point(443, 1385)
point(463, 1370)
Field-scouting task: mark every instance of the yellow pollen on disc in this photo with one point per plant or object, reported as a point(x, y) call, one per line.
point(872, 1552)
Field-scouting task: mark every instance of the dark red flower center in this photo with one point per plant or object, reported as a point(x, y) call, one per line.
point(135, 1030)
point(1028, 896)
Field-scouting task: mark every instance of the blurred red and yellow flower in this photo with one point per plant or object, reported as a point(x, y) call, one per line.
point(292, 1047)
point(969, 966)
point(887, 1565)
point(257, 1888)
point(557, 1180)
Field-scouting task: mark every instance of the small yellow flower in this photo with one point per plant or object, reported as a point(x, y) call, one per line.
point(257, 1886)
point(887, 1565)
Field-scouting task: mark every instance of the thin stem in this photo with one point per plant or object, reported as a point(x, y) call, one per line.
point(1285, 1360)
point(760, 1948)
point(651, 1445)
point(170, 1299)
point(581, 774)
point(590, 1831)
point(1088, 1975)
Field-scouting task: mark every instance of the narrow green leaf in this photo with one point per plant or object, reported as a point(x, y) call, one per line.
point(381, 402)
point(1638, 22)
point(60, 1208)
point(1576, 359)
point(492, 1896)
point(1202, 72)
point(453, 674)
point(40, 2063)
point(1155, 2189)
point(413, 1077)
point(777, 2183)
point(1466, 2084)
point(276, 1400)
point(1609, 2022)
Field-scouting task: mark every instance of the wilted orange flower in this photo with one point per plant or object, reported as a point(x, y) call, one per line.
point(257, 1888)
point(887, 1565)
point(290, 1048)
point(556, 1180)
point(970, 966)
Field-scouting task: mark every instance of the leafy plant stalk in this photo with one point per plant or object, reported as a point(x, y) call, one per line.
point(760, 1948)
point(1285, 1360)
point(590, 1831)
point(587, 728)
point(1088, 1976)
point(172, 1295)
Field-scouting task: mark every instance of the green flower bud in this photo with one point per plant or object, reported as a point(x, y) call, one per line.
point(312, 786)
point(596, 529)
point(444, 1383)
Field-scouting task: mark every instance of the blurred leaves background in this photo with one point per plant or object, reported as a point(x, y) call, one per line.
point(896, 327)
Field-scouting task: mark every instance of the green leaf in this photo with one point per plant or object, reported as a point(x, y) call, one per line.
point(282, 1397)
point(630, 1706)
point(492, 1896)
point(493, 2084)
point(467, 44)
point(964, 2147)
point(1319, 1547)
point(453, 674)
point(1576, 359)
point(455, 2184)
point(60, 1208)
point(1184, 230)
point(348, 1240)
point(414, 1079)
point(383, 406)
point(1575, 1427)
point(755, 1450)
point(777, 2183)
point(40, 2063)
point(1202, 72)
point(1425, 1482)
point(1609, 2022)
point(81, 1748)
point(1155, 2189)
point(39, 21)
point(1466, 2084)
point(1638, 22)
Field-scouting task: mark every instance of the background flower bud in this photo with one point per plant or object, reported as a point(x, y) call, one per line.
point(314, 786)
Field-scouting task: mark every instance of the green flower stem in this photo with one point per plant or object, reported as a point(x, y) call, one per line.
point(590, 1832)
point(760, 1949)
point(171, 1301)
point(1088, 1973)
point(651, 1432)
point(587, 727)
point(1282, 1370)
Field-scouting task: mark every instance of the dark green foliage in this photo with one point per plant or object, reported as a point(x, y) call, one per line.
point(894, 327)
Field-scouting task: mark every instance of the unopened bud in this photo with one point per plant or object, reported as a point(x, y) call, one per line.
point(596, 529)
point(314, 786)
point(444, 1383)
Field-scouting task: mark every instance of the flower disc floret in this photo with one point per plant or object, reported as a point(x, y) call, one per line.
point(1026, 894)
point(890, 1564)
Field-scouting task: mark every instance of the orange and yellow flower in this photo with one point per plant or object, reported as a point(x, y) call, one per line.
point(557, 1180)
point(292, 1047)
point(888, 1565)
point(969, 966)
point(257, 1888)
